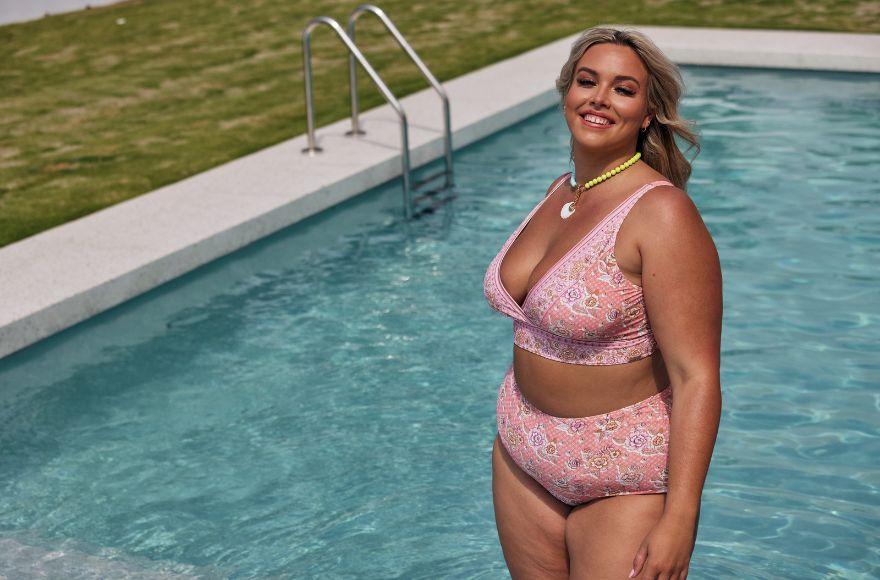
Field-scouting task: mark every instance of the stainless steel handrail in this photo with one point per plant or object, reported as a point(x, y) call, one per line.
point(401, 41)
point(310, 113)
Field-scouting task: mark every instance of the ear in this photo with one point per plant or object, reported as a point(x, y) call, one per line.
point(647, 121)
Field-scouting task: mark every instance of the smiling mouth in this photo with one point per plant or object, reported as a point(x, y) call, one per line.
point(595, 119)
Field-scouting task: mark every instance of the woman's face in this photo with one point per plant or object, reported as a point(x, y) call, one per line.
point(607, 103)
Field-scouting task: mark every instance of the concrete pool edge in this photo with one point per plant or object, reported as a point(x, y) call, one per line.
point(60, 277)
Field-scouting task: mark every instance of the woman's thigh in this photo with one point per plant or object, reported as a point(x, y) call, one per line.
point(604, 535)
point(531, 523)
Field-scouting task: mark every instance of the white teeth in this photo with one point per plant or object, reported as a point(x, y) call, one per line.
point(597, 120)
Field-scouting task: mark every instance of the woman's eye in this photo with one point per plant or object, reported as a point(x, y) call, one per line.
point(621, 90)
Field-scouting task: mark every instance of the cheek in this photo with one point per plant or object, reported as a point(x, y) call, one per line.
point(636, 111)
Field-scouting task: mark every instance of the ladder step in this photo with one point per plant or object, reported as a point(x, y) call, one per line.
point(423, 181)
point(427, 210)
point(436, 202)
point(430, 194)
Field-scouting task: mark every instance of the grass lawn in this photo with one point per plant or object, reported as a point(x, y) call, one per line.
point(102, 105)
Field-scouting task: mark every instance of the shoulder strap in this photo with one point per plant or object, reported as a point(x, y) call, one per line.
point(561, 181)
point(625, 207)
point(645, 189)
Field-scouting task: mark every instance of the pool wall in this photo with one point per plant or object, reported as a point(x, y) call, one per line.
point(55, 279)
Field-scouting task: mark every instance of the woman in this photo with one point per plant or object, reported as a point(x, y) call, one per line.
point(614, 285)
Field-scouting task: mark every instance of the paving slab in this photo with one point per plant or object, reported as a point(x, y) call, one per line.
point(23, 10)
point(55, 279)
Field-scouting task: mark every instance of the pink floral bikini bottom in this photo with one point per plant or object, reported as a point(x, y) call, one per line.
point(581, 459)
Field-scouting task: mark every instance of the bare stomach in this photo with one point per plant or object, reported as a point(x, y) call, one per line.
point(569, 390)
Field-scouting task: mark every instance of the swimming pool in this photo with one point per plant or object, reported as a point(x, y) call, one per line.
point(321, 403)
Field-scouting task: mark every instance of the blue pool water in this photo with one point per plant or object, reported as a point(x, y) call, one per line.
point(321, 403)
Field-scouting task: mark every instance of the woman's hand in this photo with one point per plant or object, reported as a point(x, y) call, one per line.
point(666, 551)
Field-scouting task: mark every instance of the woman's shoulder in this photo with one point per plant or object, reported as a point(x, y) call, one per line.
point(666, 203)
point(557, 183)
point(665, 214)
point(667, 222)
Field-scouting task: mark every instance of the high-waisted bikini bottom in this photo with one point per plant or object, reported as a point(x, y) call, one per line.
point(580, 459)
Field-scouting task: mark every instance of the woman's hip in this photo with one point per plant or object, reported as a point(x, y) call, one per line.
point(578, 459)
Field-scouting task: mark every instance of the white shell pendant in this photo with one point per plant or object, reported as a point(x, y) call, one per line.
point(567, 210)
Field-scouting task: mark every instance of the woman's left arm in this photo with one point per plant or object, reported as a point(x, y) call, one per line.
point(681, 281)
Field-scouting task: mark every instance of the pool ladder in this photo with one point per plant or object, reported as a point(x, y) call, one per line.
point(410, 202)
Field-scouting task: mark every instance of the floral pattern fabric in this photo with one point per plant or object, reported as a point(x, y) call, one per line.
point(583, 310)
point(580, 459)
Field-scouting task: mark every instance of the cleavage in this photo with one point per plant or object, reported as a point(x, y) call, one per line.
point(528, 263)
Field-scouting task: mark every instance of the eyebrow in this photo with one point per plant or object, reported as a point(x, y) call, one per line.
point(617, 78)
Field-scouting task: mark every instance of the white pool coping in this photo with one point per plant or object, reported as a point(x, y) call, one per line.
point(12, 11)
point(57, 278)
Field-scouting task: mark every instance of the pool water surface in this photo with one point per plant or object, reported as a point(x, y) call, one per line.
point(321, 404)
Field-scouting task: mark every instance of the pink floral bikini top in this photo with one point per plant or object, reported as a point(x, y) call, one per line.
point(583, 310)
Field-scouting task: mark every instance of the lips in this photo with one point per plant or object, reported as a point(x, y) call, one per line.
point(595, 119)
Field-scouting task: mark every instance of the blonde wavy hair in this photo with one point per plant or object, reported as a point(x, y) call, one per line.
point(665, 87)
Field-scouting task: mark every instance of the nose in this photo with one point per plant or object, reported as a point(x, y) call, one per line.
point(599, 97)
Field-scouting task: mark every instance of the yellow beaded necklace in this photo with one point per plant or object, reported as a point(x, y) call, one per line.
point(568, 209)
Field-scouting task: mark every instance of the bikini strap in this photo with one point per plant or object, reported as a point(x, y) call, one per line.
point(645, 189)
point(558, 185)
point(623, 210)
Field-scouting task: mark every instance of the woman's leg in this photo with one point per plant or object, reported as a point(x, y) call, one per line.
point(531, 522)
point(604, 535)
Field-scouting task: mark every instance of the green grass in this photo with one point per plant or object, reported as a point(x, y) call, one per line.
point(94, 111)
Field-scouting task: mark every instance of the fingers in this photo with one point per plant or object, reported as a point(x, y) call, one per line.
point(639, 560)
point(649, 571)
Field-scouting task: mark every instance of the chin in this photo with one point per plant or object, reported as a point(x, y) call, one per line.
point(597, 145)
point(604, 143)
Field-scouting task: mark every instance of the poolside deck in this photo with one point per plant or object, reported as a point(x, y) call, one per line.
point(60, 277)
